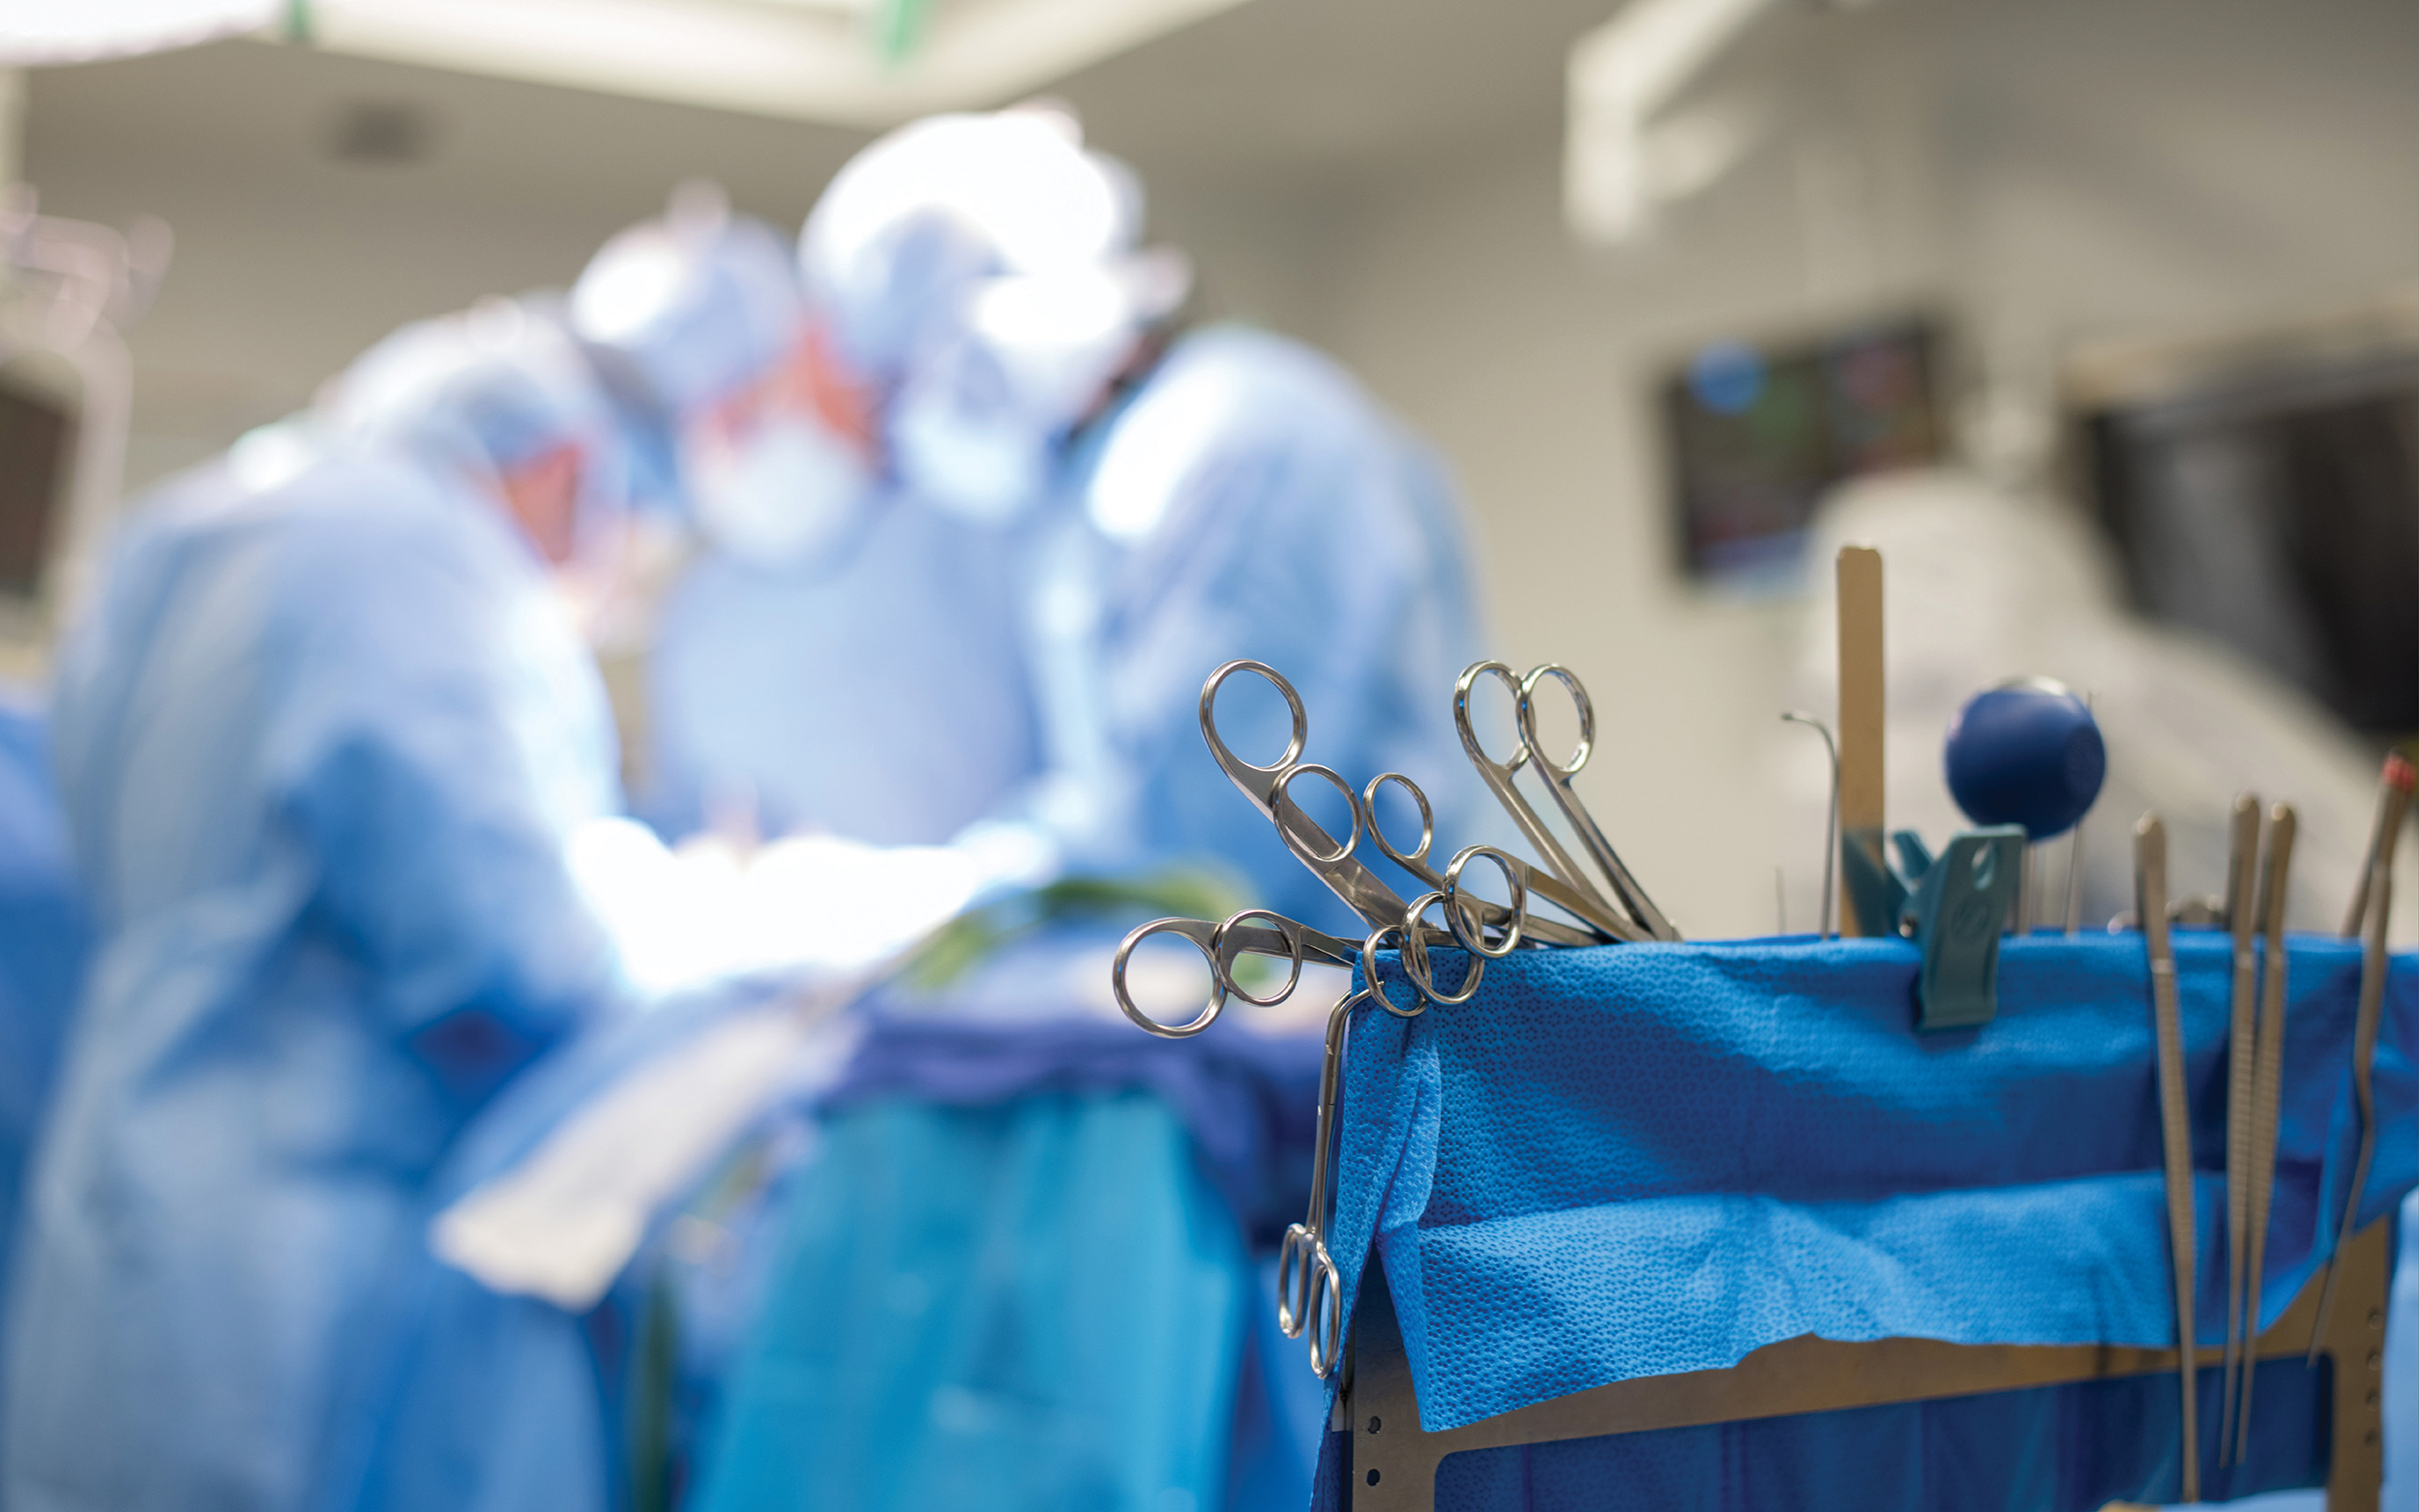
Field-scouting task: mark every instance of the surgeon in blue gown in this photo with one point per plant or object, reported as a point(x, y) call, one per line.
point(842, 657)
point(321, 738)
point(42, 942)
point(1020, 1275)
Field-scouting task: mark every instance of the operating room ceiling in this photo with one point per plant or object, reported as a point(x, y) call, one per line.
point(1279, 94)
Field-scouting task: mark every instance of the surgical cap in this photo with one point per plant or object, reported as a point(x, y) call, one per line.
point(485, 391)
point(695, 303)
point(1002, 226)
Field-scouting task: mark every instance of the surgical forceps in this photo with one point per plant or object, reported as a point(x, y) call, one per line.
point(1575, 894)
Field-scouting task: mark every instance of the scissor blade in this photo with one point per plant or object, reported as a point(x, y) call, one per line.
point(1360, 888)
point(1316, 948)
point(1625, 886)
point(1562, 884)
point(1603, 924)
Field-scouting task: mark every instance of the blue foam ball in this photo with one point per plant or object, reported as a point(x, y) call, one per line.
point(2027, 753)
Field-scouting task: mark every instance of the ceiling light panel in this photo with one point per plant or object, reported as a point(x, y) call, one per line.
point(810, 60)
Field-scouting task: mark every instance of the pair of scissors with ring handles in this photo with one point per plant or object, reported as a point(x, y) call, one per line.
point(1221, 944)
point(1361, 889)
point(1643, 921)
point(1266, 786)
point(1522, 877)
point(1310, 1289)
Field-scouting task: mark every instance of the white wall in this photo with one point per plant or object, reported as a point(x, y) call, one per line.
point(2040, 171)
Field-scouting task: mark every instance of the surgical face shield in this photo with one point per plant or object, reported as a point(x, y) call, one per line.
point(784, 493)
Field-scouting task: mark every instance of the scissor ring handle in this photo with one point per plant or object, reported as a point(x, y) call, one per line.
point(1290, 928)
point(1374, 984)
point(1125, 999)
point(1294, 1256)
point(1528, 719)
point(1326, 1319)
point(1294, 747)
point(1284, 794)
point(1417, 856)
point(1415, 955)
point(1457, 914)
point(1462, 686)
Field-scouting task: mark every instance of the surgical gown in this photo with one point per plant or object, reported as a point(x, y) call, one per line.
point(320, 746)
point(1248, 499)
point(43, 945)
point(881, 696)
point(1042, 1302)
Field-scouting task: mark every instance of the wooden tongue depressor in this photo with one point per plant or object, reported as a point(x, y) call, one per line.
point(2175, 1130)
point(2241, 877)
point(1861, 729)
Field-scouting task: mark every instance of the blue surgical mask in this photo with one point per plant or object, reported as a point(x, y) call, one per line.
point(790, 496)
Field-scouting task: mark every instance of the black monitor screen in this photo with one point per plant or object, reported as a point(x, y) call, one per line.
point(1758, 434)
point(34, 434)
point(2278, 513)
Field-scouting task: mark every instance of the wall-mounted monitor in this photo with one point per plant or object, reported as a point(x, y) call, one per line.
point(37, 433)
point(1755, 435)
point(2271, 501)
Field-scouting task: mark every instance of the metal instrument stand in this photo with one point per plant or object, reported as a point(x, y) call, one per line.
point(1393, 1462)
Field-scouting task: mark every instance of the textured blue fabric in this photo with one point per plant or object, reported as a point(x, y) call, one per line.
point(1249, 1100)
point(1645, 1159)
point(44, 940)
point(882, 697)
point(1038, 1304)
point(320, 746)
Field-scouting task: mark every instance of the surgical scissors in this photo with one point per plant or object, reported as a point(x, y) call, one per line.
point(1309, 1288)
point(1521, 876)
point(1578, 895)
point(1467, 917)
point(1221, 944)
point(1266, 786)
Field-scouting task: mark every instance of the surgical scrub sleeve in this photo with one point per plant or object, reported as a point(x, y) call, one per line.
point(322, 746)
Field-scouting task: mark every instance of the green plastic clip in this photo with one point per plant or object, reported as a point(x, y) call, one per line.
point(1960, 907)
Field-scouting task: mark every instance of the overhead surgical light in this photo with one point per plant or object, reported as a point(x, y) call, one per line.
point(1624, 74)
point(863, 63)
point(85, 31)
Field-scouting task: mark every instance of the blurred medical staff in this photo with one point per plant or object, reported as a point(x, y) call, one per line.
point(1015, 1287)
point(984, 514)
point(322, 739)
point(841, 659)
point(43, 939)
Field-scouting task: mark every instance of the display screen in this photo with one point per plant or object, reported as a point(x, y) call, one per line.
point(34, 438)
point(2277, 511)
point(1758, 434)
